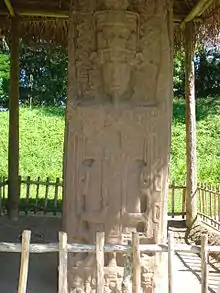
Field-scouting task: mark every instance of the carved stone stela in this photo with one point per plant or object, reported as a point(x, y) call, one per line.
point(118, 132)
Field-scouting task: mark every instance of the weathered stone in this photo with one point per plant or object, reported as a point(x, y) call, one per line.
point(117, 131)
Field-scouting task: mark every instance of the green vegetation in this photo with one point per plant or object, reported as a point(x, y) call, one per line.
point(41, 142)
point(42, 132)
point(208, 141)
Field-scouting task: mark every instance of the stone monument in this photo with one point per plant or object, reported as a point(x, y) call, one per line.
point(117, 139)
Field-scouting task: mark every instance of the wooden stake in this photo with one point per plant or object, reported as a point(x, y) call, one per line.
point(63, 255)
point(170, 261)
point(136, 263)
point(25, 251)
point(204, 264)
point(100, 241)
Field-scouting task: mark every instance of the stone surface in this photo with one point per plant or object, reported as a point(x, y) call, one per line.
point(117, 131)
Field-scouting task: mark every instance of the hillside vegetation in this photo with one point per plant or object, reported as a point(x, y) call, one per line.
point(42, 133)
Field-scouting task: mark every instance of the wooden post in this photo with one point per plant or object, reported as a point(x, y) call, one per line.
point(63, 255)
point(25, 252)
point(13, 148)
point(191, 184)
point(136, 263)
point(100, 241)
point(170, 261)
point(204, 264)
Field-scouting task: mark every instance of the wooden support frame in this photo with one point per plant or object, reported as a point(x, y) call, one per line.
point(10, 8)
point(197, 11)
point(191, 160)
point(13, 141)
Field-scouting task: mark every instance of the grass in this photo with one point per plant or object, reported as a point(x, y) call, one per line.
point(42, 132)
point(208, 141)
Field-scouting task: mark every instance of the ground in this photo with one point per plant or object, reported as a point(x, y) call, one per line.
point(43, 268)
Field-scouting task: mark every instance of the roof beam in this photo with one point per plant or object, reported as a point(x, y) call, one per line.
point(196, 11)
point(10, 8)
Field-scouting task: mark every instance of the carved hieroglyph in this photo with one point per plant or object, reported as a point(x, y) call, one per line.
point(117, 131)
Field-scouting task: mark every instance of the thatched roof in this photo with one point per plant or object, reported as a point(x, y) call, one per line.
point(49, 18)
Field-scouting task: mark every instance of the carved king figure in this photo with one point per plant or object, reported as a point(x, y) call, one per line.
point(117, 132)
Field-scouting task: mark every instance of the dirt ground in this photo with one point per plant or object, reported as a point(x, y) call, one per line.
point(42, 267)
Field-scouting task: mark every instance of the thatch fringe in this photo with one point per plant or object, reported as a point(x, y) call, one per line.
point(56, 30)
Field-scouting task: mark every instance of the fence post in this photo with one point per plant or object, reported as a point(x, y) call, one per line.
point(25, 252)
point(46, 194)
point(37, 195)
point(0, 196)
point(136, 263)
point(184, 201)
point(203, 199)
point(27, 194)
point(56, 195)
point(204, 264)
point(63, 254)
point(173, 199)
point(171, 253)
point(100, 241)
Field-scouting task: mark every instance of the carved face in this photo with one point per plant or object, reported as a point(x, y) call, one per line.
point(116, 78)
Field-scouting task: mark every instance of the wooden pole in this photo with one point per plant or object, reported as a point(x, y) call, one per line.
point(13, 149)
point(136, 263)
point(170, 261)
point(191, 184)
point(100, 241)
point(204, 264)
point(63, 254)
point(25, 252)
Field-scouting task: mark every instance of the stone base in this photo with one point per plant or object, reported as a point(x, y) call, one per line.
point(82, 279)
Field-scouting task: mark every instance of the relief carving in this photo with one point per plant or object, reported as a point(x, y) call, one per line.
point(119, 154)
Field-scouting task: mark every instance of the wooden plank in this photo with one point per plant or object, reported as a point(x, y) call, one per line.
point(63, 255)
point(74, 248)
point(127, 276)
point(204, 264)
point(100, 241)
point(173, 198)
point(27, 195)
point(46, 194)
point(171, 254)
point(136, 264)
point(56, 196)
point(37, 195)
point(25, 247)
